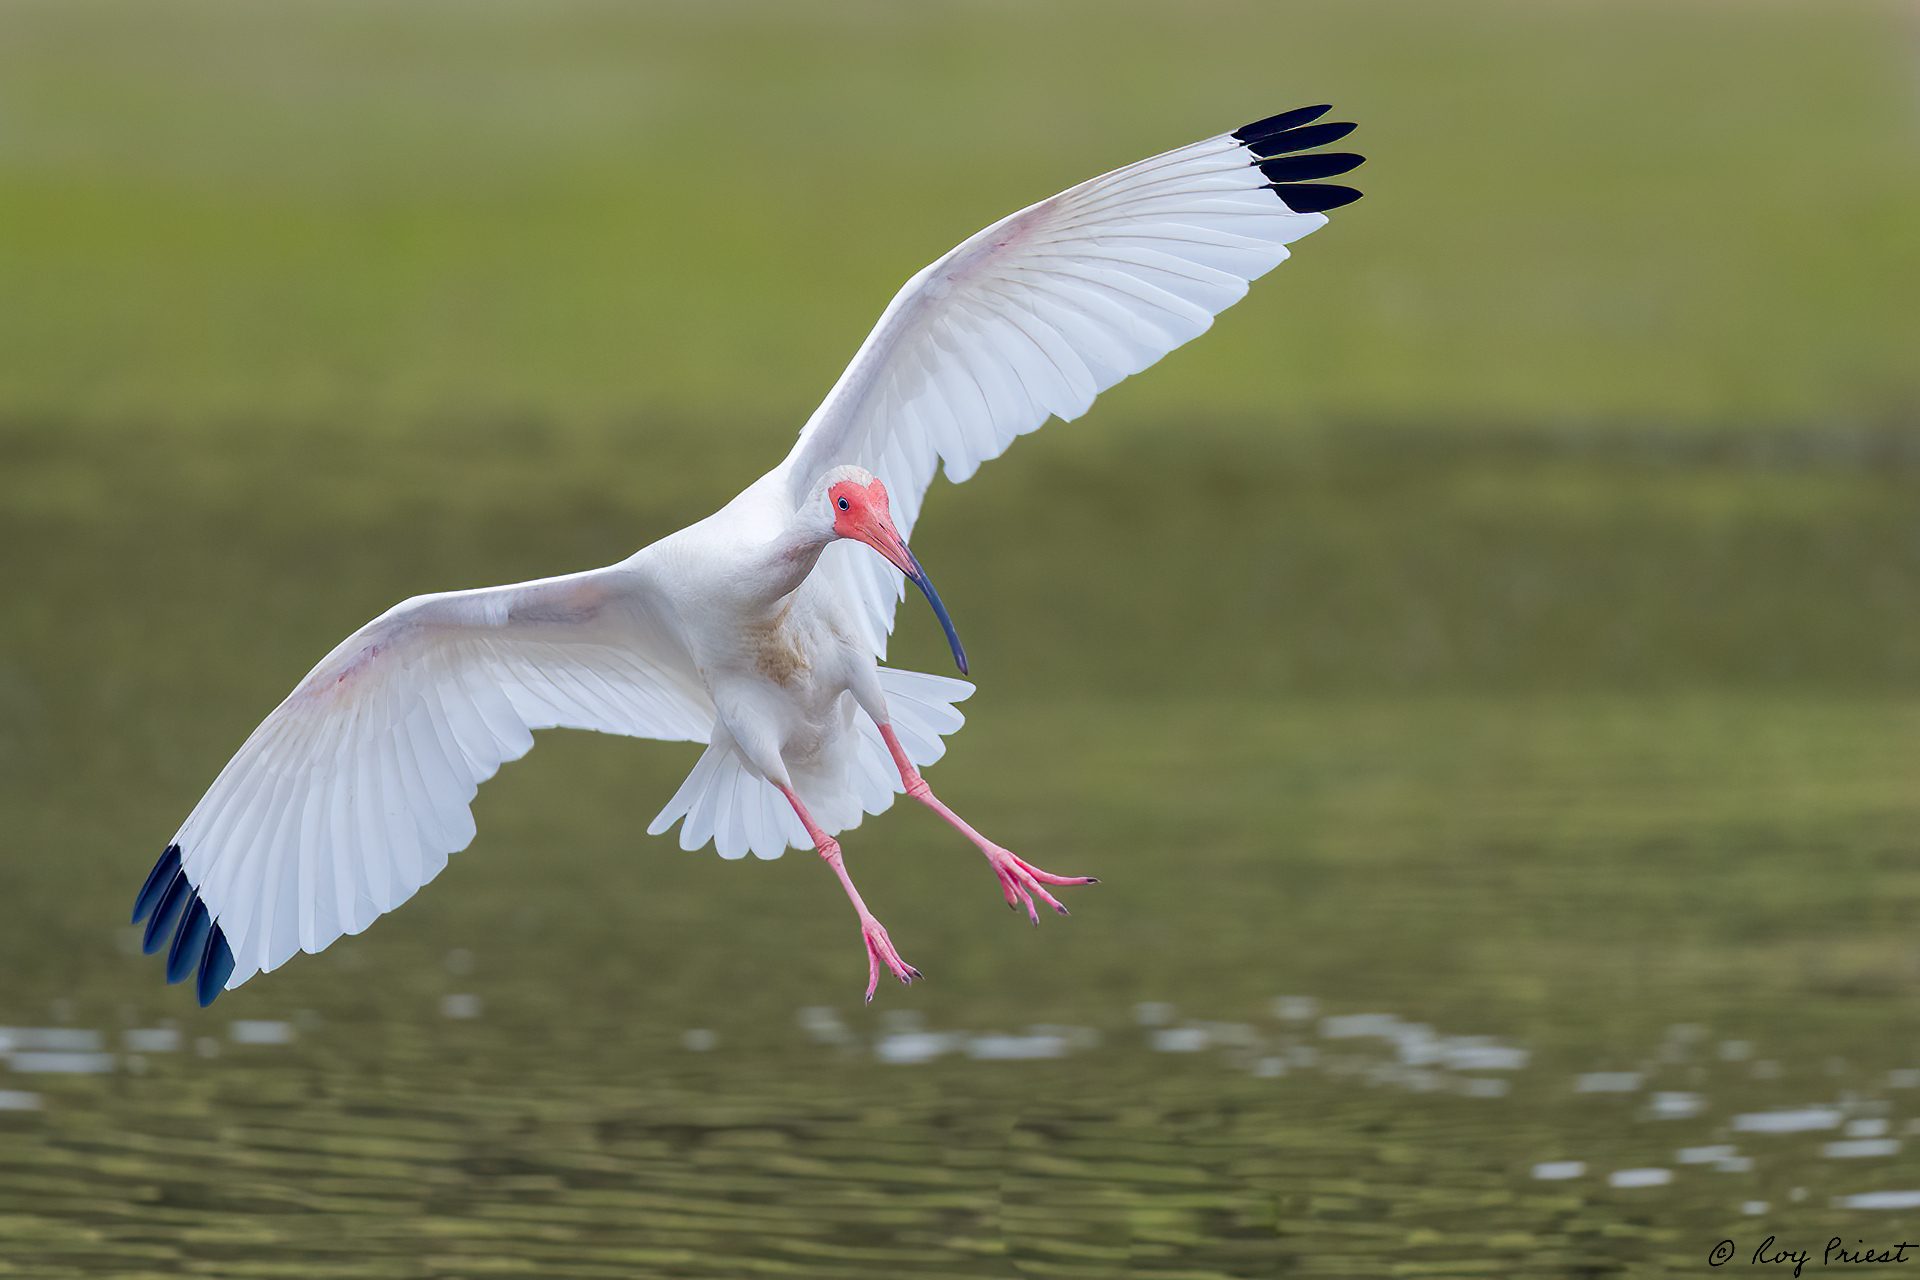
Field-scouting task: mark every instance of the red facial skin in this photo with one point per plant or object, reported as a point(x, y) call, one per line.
point(861, 512)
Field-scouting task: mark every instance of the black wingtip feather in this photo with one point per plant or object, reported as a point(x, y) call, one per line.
point(190, 943)
point(1313, 135)
point(1277, 145)
point(1282, 122)
point(1313, 197)
point(1320, 164)
point(157, 881)
point(172, 899)
point(173, 908)
point(216, 966)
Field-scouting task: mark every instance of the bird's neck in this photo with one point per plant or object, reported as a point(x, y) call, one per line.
point(783, 565)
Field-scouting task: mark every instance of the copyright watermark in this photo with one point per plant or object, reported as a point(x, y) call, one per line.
point(1836, 1253)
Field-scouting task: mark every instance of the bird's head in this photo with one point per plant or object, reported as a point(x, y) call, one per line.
point(854, 503)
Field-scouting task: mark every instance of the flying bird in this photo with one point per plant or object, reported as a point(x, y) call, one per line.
point(758, 631)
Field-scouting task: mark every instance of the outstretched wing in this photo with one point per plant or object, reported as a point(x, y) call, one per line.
point(1036, 315)
point(352, 793)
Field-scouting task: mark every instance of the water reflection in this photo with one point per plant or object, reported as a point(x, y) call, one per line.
point(151, 1039)
point(1879, 1200)
point(58, 1039)
point(1711, 1154)
point(1559, 1170)
point(1675, 1105)
point(31, 1061)
point(258, 1031)
point(690, 1177)
point(1789, 1120)
point(459, 1005)
point(1179, 1040)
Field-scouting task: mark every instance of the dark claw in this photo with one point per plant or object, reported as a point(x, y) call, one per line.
point(1093, 879)
point(869, 999)
point(1063, 911)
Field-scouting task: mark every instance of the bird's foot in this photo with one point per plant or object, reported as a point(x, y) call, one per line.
point(880, 951)
point(1021, 882)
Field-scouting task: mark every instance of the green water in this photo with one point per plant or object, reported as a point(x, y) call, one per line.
point(1484, 672)
point(1511, 800)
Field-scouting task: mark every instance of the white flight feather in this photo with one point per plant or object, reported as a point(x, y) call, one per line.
point(354, 791)
point(1031, 319)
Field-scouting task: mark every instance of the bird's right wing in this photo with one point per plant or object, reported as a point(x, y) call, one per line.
point(351, 794)
point(1039, 313)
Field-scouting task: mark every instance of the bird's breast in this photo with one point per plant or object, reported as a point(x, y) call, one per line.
point(784, 648)
point(780, 652)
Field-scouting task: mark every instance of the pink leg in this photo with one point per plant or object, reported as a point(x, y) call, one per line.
point(879, 946)
point(1020, 882)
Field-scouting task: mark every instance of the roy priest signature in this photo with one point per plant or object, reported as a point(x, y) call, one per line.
point(1835, 1253)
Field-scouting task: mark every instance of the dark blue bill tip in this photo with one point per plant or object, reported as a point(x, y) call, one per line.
point(925, 584)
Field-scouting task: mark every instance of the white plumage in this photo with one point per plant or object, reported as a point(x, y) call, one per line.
point(756, 630)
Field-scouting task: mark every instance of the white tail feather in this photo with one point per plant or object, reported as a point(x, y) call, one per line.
point(723, 801)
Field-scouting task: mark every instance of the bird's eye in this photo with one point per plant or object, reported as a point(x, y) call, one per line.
point(843, 504)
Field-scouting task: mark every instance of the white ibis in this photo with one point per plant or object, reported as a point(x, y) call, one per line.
point(757, 631)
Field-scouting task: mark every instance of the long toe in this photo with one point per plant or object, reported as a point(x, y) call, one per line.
point(1047, 877)
point(880, 951)
point(1015, 887)
point(1018, 876)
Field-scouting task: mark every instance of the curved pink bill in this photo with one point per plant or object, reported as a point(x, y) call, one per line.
point(884, 538)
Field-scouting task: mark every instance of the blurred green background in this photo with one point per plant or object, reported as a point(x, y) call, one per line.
point(1507, 619)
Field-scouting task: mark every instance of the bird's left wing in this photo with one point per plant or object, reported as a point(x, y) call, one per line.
point(351, 794)
point(1039, 313)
